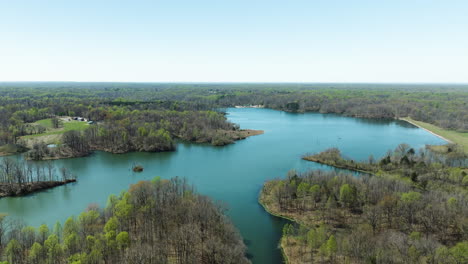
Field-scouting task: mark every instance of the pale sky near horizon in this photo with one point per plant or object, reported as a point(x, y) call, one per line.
point(234, 41)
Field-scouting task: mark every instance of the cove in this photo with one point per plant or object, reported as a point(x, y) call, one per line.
point(232, 174)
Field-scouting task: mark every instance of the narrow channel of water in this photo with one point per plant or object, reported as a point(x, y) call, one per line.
point(232, 174)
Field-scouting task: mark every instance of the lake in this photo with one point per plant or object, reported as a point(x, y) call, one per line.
point(232, 174)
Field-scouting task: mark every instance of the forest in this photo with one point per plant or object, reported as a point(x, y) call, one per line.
point(158, 221)
point(193, 111)
point(152, 116)
point(407, 207)
point(118, 126)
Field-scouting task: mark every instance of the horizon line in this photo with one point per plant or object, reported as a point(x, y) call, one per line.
point(238, 82)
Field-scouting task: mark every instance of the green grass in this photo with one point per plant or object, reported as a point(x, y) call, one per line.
point(47, 123)
point(66, 126)
point(454, 136)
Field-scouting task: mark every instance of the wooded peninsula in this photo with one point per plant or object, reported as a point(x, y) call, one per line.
point(407, 207)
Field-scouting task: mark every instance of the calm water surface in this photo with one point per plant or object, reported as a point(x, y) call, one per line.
point(232, 174)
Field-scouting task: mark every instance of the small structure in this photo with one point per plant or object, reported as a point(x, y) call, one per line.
point(137, 168)
point(79, 118)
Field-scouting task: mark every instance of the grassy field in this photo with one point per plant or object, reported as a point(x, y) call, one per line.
point(454, 136)
point(53, 135)
point(66, 126)
point(47, 123)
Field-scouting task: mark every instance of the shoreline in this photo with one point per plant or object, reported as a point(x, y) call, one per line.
point(30, 188)
point(234, 136)
point(311, 159)
point(280, 242)
point(432, 132)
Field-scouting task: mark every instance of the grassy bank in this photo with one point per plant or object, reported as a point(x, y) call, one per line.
point(449, 135)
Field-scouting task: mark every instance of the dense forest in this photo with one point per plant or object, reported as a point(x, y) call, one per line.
point(151, 116)
point(407, 207)
point(118, 125)
point(158, 221)
point(185, 110)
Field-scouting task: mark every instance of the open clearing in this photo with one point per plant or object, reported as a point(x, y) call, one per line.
point(53, 135)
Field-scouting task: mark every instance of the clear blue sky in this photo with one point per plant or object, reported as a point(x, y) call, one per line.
point(234, 41)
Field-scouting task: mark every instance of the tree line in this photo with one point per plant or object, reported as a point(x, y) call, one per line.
point(22, 172)
point(21, 104)
point(20, 177)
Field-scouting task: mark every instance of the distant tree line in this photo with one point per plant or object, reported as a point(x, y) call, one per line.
point(22, 104)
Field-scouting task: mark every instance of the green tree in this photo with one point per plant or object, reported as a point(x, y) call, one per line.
point(28, 235)
point(58, 229)
point(14, 251)
point(53, 248)
point(36, 253)
point(452, 203)
point(347, 195)
point(123, 209)
point(43, 233)
point(312, 239)
point(70, 227)
point(72, 243)
point(123, 240)
point(89, 222)
point(410, 202)
point(302, 189)
point(111, 225)
point(331, 246)
point(459, 252)
point(94, 257)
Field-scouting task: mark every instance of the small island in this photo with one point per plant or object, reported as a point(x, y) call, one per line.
point(137, 168)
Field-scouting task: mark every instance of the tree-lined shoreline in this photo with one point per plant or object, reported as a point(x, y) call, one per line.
point(414, 198)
